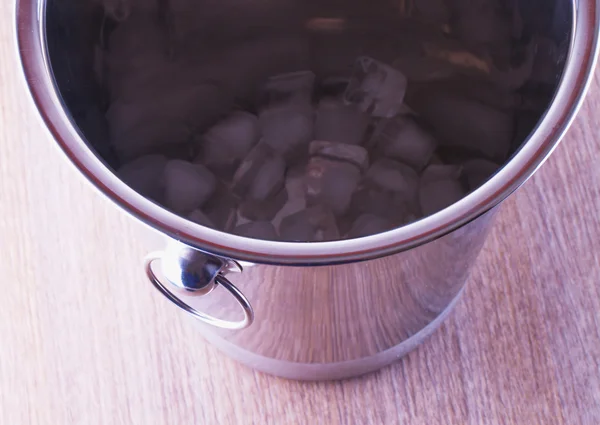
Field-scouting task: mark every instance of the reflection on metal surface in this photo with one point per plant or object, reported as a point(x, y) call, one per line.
point(217, 280)
point(351, 312)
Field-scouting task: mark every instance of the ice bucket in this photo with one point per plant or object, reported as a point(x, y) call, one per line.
point(314, 311)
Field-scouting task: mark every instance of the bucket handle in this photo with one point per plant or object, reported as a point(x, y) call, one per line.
point(218, 279)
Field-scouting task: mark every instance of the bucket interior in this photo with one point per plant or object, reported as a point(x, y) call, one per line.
point(438, 93)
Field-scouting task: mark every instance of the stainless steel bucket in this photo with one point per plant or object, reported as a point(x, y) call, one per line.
point(305, 311)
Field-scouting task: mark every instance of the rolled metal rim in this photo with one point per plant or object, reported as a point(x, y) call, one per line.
point(575, 81)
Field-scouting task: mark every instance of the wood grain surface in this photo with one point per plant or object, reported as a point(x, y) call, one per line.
point(84, 339)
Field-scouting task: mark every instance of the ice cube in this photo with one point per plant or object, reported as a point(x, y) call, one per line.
point(331, 183)
point(356, 155)
point(376, 88)
point(268, 180)
point(467, 124)
point(393, 206)
point(288, 130)
point(230, 139)
point(294, 88)
point(369, 224)
point(223, 172)
point(257, 230)
point(250, 167)
point(240, 219)
point(314, 224)
point(183, 151)
point(345, 222)
point(187, 186)
point(437, 172)
point(221, 208)
point(478, 171)
point(296, 193)
point(338, 122)
point(403, 139)
point(265, 209)
point(144, 175)
point(197, 216)
point(440, 187)
point(394, 176)
point(436, 195)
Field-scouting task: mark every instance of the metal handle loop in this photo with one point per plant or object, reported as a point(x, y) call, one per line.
point(210, 320)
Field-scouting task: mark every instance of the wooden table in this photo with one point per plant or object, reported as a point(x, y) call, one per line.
point(85, 340)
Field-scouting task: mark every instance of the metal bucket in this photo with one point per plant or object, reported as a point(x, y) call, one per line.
point(325, 310)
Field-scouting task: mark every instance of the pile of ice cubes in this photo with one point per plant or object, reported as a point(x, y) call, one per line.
point(278, 138)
